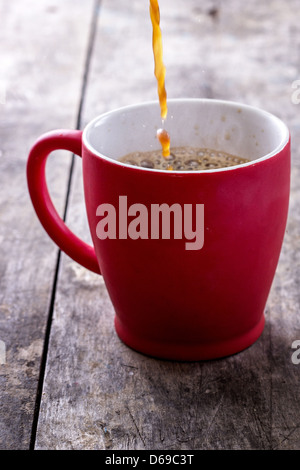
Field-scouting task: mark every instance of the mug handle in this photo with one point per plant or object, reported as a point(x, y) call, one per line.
point(56, 228)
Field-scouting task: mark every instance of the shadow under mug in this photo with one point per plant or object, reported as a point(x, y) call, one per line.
point(172, 301)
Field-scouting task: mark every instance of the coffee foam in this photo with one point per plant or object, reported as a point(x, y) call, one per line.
point(183, 159)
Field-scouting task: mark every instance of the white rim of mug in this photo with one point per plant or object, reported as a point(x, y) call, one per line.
point(235, 104)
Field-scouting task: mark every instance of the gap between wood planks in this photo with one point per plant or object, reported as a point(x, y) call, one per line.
point(91, 41)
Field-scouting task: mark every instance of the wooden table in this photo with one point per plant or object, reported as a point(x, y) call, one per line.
point(67, 381)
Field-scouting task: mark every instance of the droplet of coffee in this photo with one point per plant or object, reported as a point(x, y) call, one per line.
point(164, 139)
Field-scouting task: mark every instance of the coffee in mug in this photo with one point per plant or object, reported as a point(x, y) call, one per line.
point(184, 159)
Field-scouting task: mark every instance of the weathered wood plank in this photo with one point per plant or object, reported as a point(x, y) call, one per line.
point(40, 74)
point(99, 394)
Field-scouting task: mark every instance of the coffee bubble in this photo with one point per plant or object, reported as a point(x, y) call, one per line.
point(192, 163)
point(147, 164)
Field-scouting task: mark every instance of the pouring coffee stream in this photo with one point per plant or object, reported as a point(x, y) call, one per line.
point(160, 73)
point(181, 158)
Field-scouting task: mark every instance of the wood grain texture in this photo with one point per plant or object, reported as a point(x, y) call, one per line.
point(99, 394)
point(41, 75)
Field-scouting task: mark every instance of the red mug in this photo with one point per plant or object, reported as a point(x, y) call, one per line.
point(177, 297)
